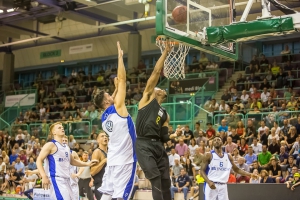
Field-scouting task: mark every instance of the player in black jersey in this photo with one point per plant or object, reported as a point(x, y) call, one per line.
point(152, 131)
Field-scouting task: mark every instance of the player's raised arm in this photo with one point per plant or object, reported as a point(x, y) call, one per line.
point(205, 161)
point(46, 150)
point(148, 94)
point(119, 100)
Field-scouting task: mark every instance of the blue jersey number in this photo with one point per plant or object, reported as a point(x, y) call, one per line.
point(221, 164)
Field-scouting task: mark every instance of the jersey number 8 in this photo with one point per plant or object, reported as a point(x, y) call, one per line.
point(157, 119)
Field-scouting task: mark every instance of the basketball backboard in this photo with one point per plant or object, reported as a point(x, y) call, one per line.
point(209, 13)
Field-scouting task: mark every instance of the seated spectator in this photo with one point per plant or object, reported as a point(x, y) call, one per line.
point(23, 157)
point(226, 96)
point(188, 134)
point(223, 127)
point(263, 60)
point(210, 132)
point(274, 148)
point(255, 179)
point(291, 138)
point(13, 156)
point(193, 146)
point(234, 95)
point(182, 184)
point(250, 157)
point(239, 104)
point(203, 59)
point(13, 180)
point(265, 177)
point(2, 166)
point(275, 171)
point(28, 182)
point(295, 182)
point(295, 148)
point(230, 145)
point(235, 156)
point(289, 79)
point(20, 167)
point(181, 148)
point(250, 132)
point(235, 137)
point(275, 137)
point(172, 157)
point(256, 166)
point(283, 157)
point(176, 168)
point(244, 97)
point(31, 164)
point(290, 173)
point(240, 129)
point(256, 103)
point(275, 68)
point(241, 165)
point(264, 157)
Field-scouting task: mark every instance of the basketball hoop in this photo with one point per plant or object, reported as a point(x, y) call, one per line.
point(174, 63)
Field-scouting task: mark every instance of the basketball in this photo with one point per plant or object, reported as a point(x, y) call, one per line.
point(179, 14)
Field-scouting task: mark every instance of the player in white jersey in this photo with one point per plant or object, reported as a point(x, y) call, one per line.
point(118, 179)
point(215, 169)
point(73, 171)
point(57, 160)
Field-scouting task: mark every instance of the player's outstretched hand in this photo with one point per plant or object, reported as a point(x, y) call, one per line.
point(120, 51)
point(93, 162)
point(211, 185)
point(46, 183)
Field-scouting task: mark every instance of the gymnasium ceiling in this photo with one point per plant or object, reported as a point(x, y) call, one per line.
point(22, 22)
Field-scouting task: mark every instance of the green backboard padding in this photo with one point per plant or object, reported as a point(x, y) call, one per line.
point(230, 33)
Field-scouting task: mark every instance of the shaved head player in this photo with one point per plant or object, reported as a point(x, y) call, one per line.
point(152, 130)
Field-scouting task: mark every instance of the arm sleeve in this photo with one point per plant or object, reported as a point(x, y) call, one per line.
point(164, 134)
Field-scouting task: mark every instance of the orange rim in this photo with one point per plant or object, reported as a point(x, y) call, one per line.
point(163, 40)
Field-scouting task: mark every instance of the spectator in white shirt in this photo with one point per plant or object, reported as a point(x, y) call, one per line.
point(264, 95)
point(192, 147)
point(172, 157)
point(244, 96)
point(262, 128)
point(257, 147)
point(273, 135)
point(20, 133)
point(223, 106)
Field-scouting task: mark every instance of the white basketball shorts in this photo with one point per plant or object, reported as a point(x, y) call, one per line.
point(60, 189)
point(220, 193)
point(118, 180)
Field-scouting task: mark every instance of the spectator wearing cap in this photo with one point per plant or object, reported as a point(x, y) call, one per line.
point(210, 132)
point(295, 182)
point(290, 175)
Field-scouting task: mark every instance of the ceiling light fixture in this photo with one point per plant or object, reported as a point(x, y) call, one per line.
point(1, 11)
point(10, 10)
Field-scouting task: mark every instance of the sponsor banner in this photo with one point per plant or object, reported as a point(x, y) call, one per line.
point(186, 86)
point(81, 49)
point(41, 194)
point(24, 99)
point(50, 54)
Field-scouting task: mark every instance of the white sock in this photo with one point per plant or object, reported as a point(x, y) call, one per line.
point(106, 197)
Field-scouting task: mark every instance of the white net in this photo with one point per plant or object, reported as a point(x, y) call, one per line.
point(174, 63)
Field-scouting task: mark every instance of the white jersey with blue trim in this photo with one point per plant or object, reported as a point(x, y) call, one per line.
point(122, 137)
point(219, 168)
point(58, 163)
